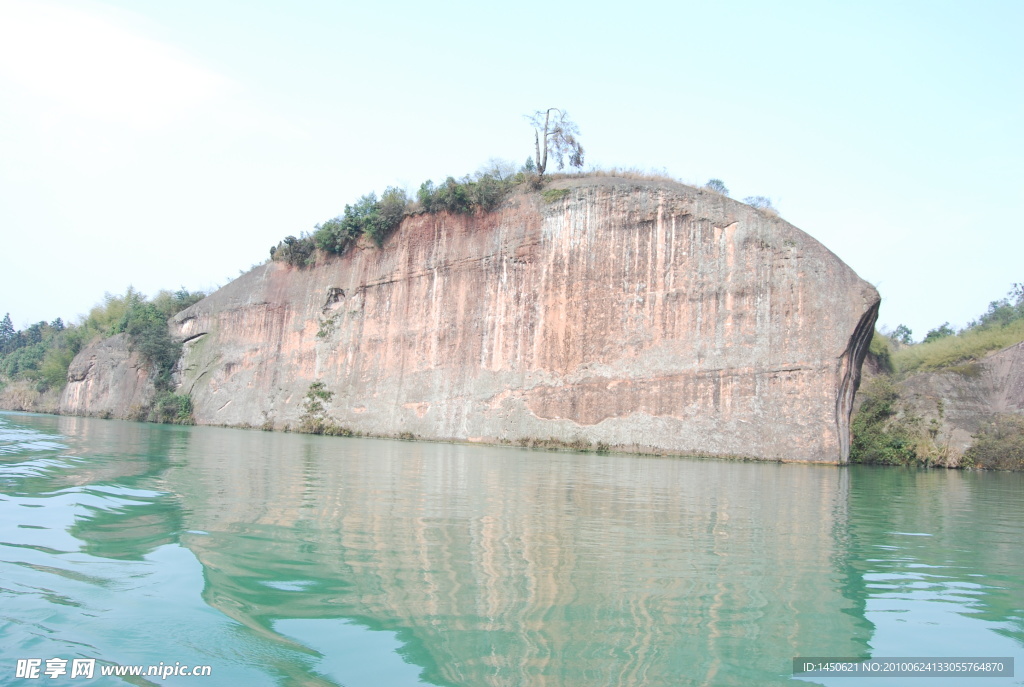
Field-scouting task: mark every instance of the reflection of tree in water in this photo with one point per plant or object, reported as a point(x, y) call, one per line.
point(941, 534)
point(128, 532)
point(112, 469)
point(112, 475)
point(502, 567)
point(126, 519)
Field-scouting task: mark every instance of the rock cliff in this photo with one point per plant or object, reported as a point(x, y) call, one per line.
point(106, 379)
point(642, 315)
point(957, 402)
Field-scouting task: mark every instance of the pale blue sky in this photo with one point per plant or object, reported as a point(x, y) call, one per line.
point(163, 144)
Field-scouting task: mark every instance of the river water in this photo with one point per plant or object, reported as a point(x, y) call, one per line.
point(281, 559)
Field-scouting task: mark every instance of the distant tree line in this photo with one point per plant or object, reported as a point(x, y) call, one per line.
point(1002, 313)
point(42, 352)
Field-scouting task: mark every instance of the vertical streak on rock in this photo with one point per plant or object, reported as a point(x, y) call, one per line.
point(849, 376)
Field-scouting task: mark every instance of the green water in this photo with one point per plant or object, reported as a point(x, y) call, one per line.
point(280, 559)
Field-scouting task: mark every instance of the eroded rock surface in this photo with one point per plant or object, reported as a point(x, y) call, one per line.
point(642, 315)
point(106, 379)
point(957, 402)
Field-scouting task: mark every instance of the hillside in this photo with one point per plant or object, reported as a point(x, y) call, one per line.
point(954, 400)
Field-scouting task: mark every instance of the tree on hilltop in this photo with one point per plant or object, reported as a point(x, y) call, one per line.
point(717, 185)
point(760, 202)
point(7, 332)
point(940, 332)
point(557, 135)
point(903, 334)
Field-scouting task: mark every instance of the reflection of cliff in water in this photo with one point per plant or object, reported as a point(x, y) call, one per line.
point(502, 567)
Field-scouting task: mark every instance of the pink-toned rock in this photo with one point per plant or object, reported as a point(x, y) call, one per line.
point(647, 316)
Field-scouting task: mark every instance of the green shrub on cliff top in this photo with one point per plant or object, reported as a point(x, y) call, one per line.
point(368, 217)
point(170, 303)
point(451, 196)
point(552, 195)
point(391, 208)
point(298, 252)
point(376, 218)
point(482, 192)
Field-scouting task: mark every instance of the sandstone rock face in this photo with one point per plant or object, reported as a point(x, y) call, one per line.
point(959, 401)
point(643, 315)
point(106, 379)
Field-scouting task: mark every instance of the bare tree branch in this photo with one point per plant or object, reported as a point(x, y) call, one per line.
point(556, 135)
